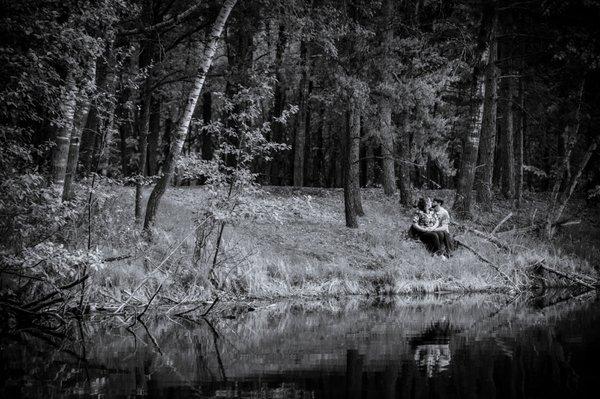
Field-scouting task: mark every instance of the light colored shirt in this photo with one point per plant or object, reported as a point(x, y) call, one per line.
point(443, 218)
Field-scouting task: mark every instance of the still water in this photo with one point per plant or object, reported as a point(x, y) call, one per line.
point(476, 346)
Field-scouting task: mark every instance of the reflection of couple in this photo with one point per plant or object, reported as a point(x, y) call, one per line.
point(433, 358)
point(430, 225)
point(432, 348)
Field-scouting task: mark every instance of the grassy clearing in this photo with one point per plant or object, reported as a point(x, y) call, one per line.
point(298, 246)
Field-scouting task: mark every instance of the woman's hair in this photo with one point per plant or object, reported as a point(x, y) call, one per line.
point(422, 204)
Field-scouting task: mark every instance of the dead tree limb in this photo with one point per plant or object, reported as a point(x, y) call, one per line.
point(536, 227)
point(501, 223)
point(489, 262)
point(494, 240)
point(149, 302)
point(566, 275)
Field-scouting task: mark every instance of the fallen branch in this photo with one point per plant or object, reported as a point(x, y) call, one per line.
point(210, 307)
point(501, 223)
point(116, 258)
point(21, 275)
point(535, 227)
point(490, 238)
point(489, 262)
point(180, 314)
point(156, 269)
point(149, 302)
point(53, 294)
point(566, 275)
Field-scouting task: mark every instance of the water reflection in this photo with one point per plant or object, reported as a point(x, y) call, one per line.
point(434, 347)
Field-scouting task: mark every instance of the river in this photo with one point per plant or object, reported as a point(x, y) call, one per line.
point(443, 346)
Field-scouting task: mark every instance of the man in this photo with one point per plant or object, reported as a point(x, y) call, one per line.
point(442, 215)
point(442, 229)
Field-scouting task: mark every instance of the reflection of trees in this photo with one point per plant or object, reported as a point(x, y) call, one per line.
point(501, 354)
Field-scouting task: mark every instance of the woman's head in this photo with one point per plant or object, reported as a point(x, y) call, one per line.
point(424, 204)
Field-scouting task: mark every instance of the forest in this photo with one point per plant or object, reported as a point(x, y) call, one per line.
point(173, 153)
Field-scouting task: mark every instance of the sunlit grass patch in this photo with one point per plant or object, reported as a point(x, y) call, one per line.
point(298, 246)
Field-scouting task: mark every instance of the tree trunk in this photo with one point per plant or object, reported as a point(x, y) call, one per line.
point(107, 128)
point(208, 145)
point(387, 128)
point(318, 154)
point(487, 143)
point(559, 200)
point(180, 134)
point(370, 163)
point(558, 206)
point(278, 129)
point(63, 135)
point(470, 144)
point(406, 192)
point(349, 192)
point(144, 124)
point(507, 142)
point(303, 117)
point(328, 165)
point(146, 59)
point(519, 146)
point(387, 148)
point(80, 118)
point(153, 135)
point(106, 123)
point(470, 141)
point(354, 157)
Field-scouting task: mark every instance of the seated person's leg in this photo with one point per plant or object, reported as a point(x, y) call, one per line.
point(431, 241)
point(448, 242)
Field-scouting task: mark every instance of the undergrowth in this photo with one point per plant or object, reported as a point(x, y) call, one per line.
point(298, 246)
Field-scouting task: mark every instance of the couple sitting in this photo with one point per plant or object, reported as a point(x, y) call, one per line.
point(430, 225)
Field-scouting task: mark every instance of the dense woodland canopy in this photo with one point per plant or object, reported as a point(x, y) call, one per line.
point(485, 97)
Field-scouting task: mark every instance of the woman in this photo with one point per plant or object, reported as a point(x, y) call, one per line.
point(424, 222)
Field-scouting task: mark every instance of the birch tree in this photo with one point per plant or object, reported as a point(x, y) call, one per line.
point(80, 118)
point(60, 153)
point(180, 134)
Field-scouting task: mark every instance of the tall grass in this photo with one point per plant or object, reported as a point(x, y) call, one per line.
point(297, 246)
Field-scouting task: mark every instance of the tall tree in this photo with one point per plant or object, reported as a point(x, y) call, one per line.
point(406, 189)
point(507, 139)
point(487, 142)
point(81, 115)
point(519, 145)
point(63, 135)
point(470, 140)
point(386, 128)
point(303, 125)
point(350, 165)
point(353, 177)
point(181, 132)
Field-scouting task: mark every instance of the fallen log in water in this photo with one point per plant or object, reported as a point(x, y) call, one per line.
point(568, 276)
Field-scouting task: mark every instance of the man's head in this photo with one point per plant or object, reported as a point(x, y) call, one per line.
point(437, 203)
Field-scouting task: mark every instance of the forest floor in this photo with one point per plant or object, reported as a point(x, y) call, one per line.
point(296, 245)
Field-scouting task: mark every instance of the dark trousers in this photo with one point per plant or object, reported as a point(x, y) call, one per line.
point(446, 242)
point(436, 242)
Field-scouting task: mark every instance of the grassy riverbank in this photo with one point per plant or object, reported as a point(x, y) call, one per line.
point(297, 246)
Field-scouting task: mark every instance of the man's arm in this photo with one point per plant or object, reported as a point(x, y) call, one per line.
point(442, 223)
point(420, 229)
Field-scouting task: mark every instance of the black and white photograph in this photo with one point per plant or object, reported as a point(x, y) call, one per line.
point(304, 199)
